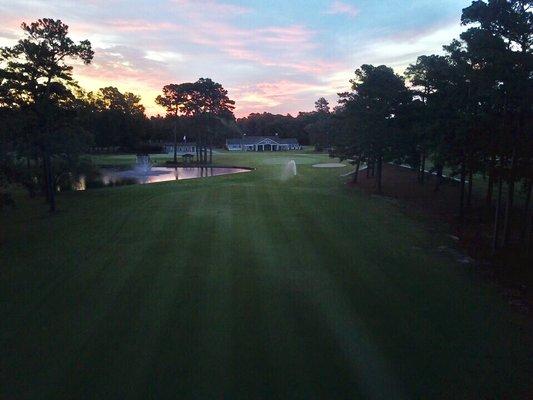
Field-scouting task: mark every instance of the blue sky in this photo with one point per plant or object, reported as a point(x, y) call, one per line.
point(275, 56)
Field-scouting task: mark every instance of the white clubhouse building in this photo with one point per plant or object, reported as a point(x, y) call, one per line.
point(262, 143)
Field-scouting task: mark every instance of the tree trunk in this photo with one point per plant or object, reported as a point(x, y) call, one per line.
point(175, 129)
point(379, 163)
point(462, 194)
point(368, 162)
point(45, 186)
point(529, 236)
point(356, 172)
point(50, 183)
point(438, 177)
point(526, 211)
point(422, 167)
point(210, 154)
point(470, 183)
point(490, 185)
point(509, 205)
point(497, 213)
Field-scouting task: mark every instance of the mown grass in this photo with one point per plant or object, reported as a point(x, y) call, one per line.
point(245, 286)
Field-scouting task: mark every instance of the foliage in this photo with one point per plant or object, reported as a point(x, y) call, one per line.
point(377, 97)
point(192, 99)
point(36, 84)
point(201, 109)
point(322, 105)
point(468, 110)
point(312, 128)
point(116, 119)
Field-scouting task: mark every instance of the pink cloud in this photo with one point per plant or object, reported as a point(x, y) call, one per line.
point(211, 6)
point(288, 35)
point(285, 47)
point(122, 65)
point(339, 7)
point(141, 26)
point(141, 55)
point(276, 96)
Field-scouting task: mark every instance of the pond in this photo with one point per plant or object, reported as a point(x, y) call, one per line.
point(118, 177)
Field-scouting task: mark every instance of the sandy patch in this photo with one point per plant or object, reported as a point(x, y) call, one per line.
point(329, 165)
point(284, 160)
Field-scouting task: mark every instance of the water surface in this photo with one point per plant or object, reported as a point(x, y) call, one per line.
point(117, 177)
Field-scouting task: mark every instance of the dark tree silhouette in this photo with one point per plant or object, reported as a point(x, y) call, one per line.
point(204, 104)
point(38, 81)
point(118, 119)
point(500, 42)
point(468, 110)
point(378, 94)
point(322, 105)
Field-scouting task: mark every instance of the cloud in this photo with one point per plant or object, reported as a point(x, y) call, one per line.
point(278, 59)
point(7, 38)
point(211, 6)
point(283, 47)
point(339, 7)
point(139, 25)
point(164, 56)
point(180, 41)
point(275, 96)
point(128, 69)
point(401, 49)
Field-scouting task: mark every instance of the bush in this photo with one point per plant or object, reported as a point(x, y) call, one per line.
point(149, 149)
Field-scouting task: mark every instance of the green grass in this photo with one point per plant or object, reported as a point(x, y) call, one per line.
point(480, 185)
point(245, 286)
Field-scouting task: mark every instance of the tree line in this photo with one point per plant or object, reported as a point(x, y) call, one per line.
point(467, 111)
point(310, 128)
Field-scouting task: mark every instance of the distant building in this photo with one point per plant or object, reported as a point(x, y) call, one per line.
point(262, 143)
point(182, 149)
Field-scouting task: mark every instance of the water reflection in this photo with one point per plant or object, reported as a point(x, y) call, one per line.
point(81, 184)
point(116, 177)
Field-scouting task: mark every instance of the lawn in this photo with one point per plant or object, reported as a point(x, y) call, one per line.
point(246, 286)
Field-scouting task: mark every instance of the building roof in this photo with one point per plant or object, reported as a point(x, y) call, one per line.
point(251, 140)
point(288, 141)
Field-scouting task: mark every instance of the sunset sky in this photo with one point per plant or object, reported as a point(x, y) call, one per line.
point(274, 56)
